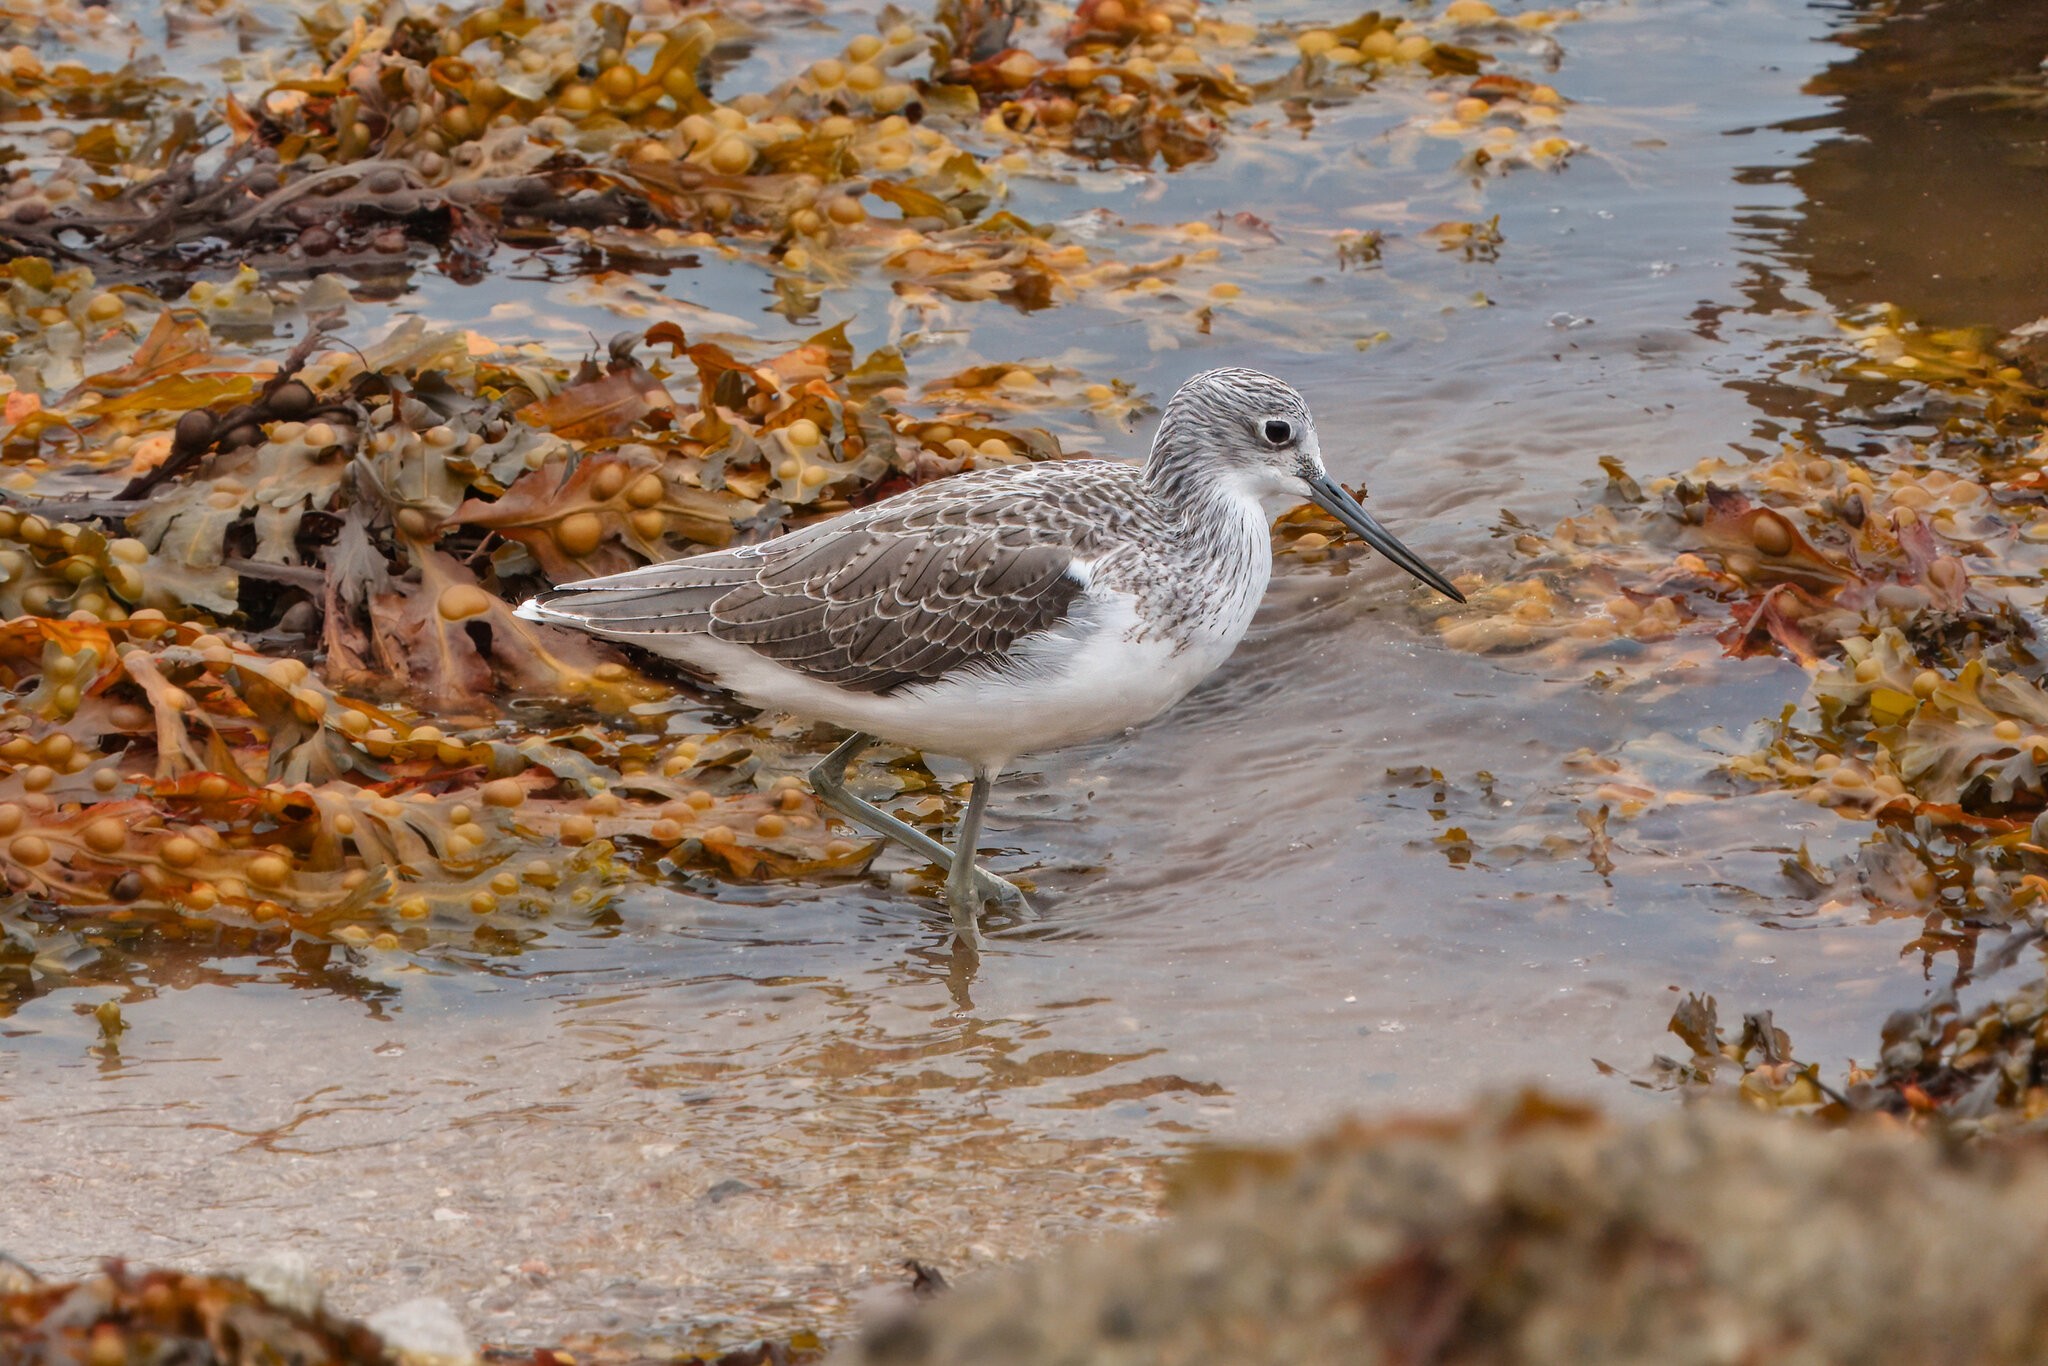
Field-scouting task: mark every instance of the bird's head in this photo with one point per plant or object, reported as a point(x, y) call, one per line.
point(1253, 431)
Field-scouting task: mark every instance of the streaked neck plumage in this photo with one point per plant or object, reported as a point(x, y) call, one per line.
point(1221, 538)
point(1183, 470)
point(1208, 493)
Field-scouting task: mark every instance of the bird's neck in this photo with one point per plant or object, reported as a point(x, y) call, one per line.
point(1184, 480)
point(1185, 474)
point(1209, 500)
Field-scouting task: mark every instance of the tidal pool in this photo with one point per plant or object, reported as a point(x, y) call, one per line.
point(1348, 875)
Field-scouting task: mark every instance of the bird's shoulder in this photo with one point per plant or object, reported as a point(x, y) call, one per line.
point(971, 534)
point(1076, 503)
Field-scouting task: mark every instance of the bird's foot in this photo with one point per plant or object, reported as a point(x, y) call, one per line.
point(1003, 892)
point(967, 895)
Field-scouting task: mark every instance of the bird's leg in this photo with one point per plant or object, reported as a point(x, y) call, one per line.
point(828, 780)
point(961, 869)
point(966, 892)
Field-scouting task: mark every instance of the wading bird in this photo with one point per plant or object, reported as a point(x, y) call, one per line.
point(999, 612)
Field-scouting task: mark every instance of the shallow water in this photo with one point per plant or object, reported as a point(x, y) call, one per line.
point(722, 1109)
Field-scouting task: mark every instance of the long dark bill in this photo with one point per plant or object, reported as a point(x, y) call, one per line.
point(1341, 505)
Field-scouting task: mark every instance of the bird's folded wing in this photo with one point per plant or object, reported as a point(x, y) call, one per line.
point(870, 604)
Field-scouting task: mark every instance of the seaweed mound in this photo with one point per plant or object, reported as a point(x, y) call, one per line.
point(1532, 1231)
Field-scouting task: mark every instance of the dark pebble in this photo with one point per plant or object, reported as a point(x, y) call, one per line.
point(726, 1190)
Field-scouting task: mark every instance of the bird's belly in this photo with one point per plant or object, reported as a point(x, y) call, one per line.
point(1096, 678)
point(991, 718)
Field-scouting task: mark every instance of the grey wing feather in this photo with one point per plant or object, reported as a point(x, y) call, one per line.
point(674, 597)
point(897, 594)
point(850, 622)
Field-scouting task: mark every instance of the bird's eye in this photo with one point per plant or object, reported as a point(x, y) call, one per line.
point(1278, 432)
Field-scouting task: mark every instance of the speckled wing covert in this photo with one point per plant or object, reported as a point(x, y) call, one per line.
point(941, 579)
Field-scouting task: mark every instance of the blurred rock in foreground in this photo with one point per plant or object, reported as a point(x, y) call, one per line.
point(125, 1316)
point(270, 1315)
point(1539, 1232)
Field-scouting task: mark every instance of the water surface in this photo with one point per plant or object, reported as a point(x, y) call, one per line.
point(716, 1110)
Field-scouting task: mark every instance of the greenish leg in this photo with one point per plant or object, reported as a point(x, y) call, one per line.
point(828, 780)
point(965, 892)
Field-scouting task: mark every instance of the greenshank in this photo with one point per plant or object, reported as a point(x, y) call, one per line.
point(998, 612)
